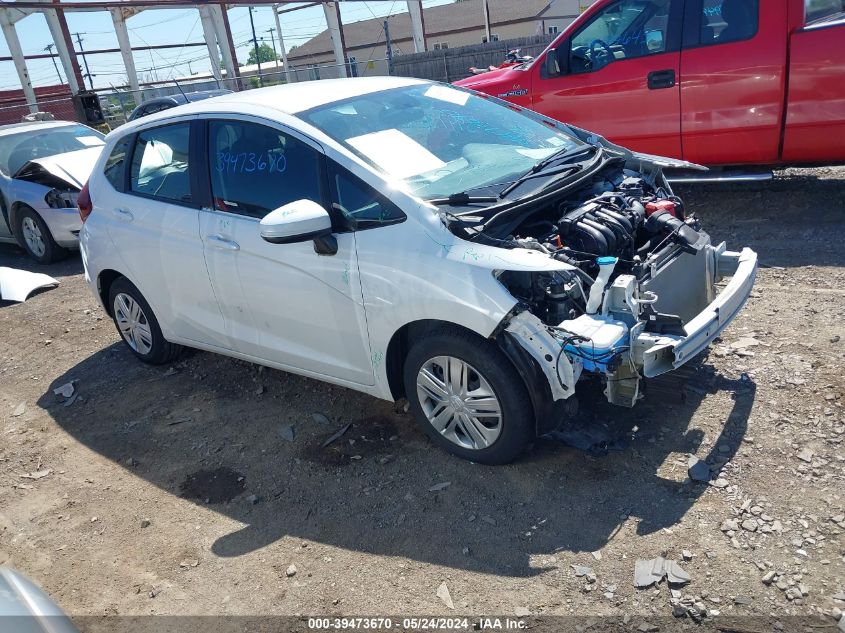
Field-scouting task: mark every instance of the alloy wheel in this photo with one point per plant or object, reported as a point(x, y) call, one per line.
point(459, 402)
point(132, 323)
point(33, 237)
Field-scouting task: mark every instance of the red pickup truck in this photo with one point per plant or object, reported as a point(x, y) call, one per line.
point(715, 82)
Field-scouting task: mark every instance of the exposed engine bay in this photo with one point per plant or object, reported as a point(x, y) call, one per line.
point(640, 276)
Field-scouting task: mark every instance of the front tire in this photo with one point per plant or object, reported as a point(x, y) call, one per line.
point(36, 239)
point(137, 324)
point(468, 397)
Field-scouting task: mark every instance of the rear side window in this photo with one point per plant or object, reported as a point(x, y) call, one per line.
point(725, 21)
point(820, 10)
point(115, 167)
point(160, 163)
point(256, 169)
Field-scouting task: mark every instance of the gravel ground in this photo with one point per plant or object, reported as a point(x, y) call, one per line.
point(202, 488)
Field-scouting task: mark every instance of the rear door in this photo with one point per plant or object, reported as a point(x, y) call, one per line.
point(154, 225)
point(618, 75)
point(815, 115)
point(733, 68)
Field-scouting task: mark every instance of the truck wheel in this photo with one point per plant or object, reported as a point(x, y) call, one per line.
point(35, 237)
point(468, 397)
point(138, 326)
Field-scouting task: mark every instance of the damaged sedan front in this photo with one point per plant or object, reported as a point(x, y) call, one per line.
point(43, 167)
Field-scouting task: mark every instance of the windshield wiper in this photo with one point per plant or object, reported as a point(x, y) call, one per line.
point(537, 170)
point(463, 197)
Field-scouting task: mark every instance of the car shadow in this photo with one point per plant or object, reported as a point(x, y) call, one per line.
point(245, 441)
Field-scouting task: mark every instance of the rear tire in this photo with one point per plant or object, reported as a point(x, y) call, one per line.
point(36, 239)
point(468, 397)
point(137, 324)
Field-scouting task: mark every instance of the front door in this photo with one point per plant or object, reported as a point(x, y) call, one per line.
point(618, 75)
point(283, 303)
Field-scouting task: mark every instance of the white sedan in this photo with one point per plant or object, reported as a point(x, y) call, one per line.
point(406, 239)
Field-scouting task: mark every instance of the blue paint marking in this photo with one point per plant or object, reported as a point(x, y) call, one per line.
point(250, 162)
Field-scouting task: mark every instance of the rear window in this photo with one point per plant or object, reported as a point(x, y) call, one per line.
point(726, 21)
point(115, 167)
point(822, 10)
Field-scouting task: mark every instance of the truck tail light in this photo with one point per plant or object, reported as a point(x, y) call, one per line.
point(83, 203)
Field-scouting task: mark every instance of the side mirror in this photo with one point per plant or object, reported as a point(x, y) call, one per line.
point(654, 41)
point(297, 221)
point(551, 67)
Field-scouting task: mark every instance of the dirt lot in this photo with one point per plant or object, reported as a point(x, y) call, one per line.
point(182, 490)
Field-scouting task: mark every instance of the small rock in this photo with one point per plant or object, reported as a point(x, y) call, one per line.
point(287, 432)
point(319, 418)
point(145, 523)
point(769, 578)
point(19, 410)
point(596, 555)
point(441, 486)
point(749, 525)
point(581, 570)
point(645, 627)
point(522, 612)
point(488, 519)
point(698, 470)
point(805, 455)
point(793, 593)
point(444, 595)
point(189, 562)
point(729, 525)
point(686, 554)
point(721, 482)
point(290, 571)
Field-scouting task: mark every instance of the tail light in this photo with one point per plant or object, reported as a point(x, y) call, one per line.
point(83, 203)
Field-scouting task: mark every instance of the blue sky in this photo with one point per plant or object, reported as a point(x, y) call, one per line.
point(171, 26)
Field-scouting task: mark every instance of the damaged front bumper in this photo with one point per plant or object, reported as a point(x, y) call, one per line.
point(688, 283)
point(658, 353)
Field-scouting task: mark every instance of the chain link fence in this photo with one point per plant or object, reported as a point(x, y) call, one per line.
point(117, 104)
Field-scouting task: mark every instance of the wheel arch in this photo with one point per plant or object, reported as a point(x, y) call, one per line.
point(14, 210)
point(546, 411)
point(105, 279)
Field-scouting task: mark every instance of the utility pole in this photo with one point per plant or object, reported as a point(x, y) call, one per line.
point(49, 49)
point(85, 60)
point(255, 44)
point(273, 42)
point(389, 48)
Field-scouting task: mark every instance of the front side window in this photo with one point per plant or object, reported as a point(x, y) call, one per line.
point(256, 169)
point(160, 163)
point(724, 21)
point(115, 167)
point(437, 139)
point(359, 203)
point(623, 30)
point(816, 11)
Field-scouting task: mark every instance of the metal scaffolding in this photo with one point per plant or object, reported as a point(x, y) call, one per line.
point(215, 25)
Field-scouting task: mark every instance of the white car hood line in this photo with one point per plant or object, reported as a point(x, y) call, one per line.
point(70, 167)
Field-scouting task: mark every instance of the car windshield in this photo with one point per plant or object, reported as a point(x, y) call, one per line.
point(440, 140)
point(38, 142)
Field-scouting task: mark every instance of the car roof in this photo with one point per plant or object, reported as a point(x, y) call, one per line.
point(286, 98)
point(24, 126)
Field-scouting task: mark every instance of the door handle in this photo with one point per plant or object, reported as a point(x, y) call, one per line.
point(218, 241)
point(659, 79)
point(123, 214)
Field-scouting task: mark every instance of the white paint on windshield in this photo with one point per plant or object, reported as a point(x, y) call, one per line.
point(449, 95)
point(396, 153)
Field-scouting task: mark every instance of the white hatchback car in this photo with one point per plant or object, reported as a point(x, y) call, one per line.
point(405, 238)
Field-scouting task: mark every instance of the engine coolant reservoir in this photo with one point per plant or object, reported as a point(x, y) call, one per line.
point(606, 335)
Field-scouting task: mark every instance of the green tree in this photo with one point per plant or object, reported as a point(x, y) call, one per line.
point(265, 55)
